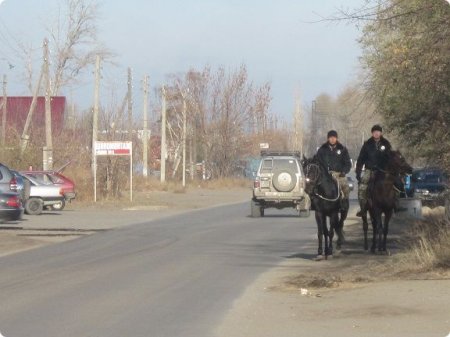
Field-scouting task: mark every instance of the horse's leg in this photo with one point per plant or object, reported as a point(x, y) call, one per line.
point(340, 226)
point(365, 229)
point(373, 219)
point(387, 218)
point(326, 234)
point(379, 221)
point(334, 223)
point(319, 222)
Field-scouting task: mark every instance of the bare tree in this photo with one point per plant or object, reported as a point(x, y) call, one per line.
point(74, 41)
point(225, 112)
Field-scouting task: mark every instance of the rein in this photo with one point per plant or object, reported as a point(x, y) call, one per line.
point(317, 169)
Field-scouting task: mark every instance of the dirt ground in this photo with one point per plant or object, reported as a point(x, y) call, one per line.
point(354, 294)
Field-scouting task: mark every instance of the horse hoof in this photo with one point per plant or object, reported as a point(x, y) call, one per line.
point(319, 258)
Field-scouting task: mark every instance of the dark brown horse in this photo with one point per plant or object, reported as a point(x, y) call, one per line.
point(325, 199)
point(381, 198)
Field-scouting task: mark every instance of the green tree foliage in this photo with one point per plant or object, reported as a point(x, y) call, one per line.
point(407, 57)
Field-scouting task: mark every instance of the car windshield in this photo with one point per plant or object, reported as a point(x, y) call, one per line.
point(271, 164)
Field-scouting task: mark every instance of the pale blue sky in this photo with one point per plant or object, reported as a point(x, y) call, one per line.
point(157, 38)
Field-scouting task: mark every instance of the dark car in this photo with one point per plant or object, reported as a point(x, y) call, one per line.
point(8, 181)
point(430, 185)
point(22, 186)
point(10, 206)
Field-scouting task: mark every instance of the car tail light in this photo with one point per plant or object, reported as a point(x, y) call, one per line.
point(14, 202)
point(257, 183)
point(13, 184)
point(61, 191)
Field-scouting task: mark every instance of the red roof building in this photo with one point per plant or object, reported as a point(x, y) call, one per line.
point(17, 110)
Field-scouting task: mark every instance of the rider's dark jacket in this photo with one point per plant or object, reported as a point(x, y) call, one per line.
point(334, 158)
point(373, 155)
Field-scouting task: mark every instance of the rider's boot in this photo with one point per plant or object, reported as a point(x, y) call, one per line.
point(362, 205)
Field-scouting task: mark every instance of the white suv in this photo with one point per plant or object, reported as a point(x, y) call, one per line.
point(280, 183)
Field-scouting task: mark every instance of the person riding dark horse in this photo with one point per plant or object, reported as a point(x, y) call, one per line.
point(334, 157)
point(373, 156)
point(326, 180)
point(323, 190)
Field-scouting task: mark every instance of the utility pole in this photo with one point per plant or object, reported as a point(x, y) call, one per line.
point(145, 137)
point(184, 140)
point(163, 135)
point(130, 105)
point(25, 137)
point(95, 122)
point(298, 125)
point(48, 149)
point(4, 110)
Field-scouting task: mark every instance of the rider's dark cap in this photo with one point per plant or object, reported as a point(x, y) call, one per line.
point(332, 133)
point(377, 127)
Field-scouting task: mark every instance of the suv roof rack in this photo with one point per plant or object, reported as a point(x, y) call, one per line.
point(267, 153)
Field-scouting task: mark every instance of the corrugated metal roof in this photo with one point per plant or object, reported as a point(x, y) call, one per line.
point(18, 107)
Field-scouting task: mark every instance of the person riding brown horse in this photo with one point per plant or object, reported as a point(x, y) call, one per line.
point(382, 197)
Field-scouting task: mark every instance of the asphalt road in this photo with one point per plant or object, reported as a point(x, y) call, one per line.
point(176, 276)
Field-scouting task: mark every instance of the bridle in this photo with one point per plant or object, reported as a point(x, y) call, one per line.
point(315, 169)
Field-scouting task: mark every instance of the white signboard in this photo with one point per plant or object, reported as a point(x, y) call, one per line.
point(113, 149)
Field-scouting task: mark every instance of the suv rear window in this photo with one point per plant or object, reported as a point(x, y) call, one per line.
point(271, 164)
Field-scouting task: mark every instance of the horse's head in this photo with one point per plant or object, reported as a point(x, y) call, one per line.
point(312, 172)
point(397, 164)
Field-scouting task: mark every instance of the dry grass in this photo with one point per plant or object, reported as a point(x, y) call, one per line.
point(431, 247)
point(426, 253)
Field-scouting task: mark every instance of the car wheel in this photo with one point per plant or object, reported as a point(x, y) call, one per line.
point(59, 206)
point(34, 206)
point(284, 181)
point(255, 209)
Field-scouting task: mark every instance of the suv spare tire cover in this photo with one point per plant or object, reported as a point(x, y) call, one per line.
point(284, 180)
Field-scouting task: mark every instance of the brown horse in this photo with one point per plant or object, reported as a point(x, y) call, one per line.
point(381, 199)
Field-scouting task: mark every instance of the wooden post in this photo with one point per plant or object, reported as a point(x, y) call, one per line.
point(130, 106)
point(145, 135)
point(48, 149)
point(4, 110)
point(184, 140)
point(25, 137)
point(95, 123)
point(163, 136)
